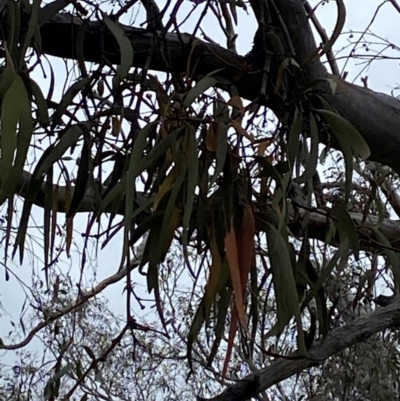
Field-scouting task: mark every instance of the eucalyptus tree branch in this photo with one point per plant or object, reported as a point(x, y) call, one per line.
point(364, 108)
point(317, 219)
point(338, 340)
point(84, 296)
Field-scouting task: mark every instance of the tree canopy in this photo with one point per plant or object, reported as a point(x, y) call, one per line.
point(259, 181)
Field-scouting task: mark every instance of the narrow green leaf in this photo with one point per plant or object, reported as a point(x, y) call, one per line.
point(20, 140)
point(294, 134)
point(345, 227)
point(8, 75)
point(68, 139)
point(201, 87)
point(41, 103)
point(347, 132)
point(269, 170)
point(283, 277)
point(392, 256)
point(221, 151)
point(47, 228)
point(195, 327)
point(50, 10)
point(32, 26)
point(125, 49)
point(341, 252)
point(311, 166)
point(10, 113)
point(180, 177)
point(193, 168)
point(82, 178)
point(67, 99)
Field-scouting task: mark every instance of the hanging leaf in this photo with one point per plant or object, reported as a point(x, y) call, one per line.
point(193, 167)
point(246, 243)
point(345, 227)
point(125, 49)
point(342, 252)
point(201, 86)
point(32, 27)
point(311, 166)
point(67, 99)
point(222, 149)
point(67, 140)
point(347, 132)
point(225, 296)
point(284, 281)
point(41, 103)
point(16, 109)
point(392, 256)
point(48, 11)
point(232, 256)
point(82, 179)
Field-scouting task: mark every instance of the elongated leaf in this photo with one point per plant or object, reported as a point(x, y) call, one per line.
point(294, 134)
point(67, 99)
point(68, 139)
point(392, 257)
point(50, 10)
point(341, 252)
point(347, 132)
point(269, 170)
point(311, 166)
point(19, 141)
point(221, 151)
point(231, 341)
point(222, 308)
point(8, 75)
point(34, 187)
point(283, 277)
point(231, 252)
point(125, 49)
point(201, 87)
point(195, 327)
point(345, 227)
point(82, 178)
point(246, 243)
point(216, 279)
point(41, 103)
point(193, 167)
point(10, 113)
point(47, 211)
point(32, 27)
point(180, 177)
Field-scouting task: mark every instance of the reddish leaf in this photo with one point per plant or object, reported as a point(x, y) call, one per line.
point(231, 250)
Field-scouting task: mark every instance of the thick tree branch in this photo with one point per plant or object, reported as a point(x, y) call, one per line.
point(362, 107)
point(337, 340)
point(317, 220)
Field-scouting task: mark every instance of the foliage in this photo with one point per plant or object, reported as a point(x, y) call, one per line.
point(222, 192)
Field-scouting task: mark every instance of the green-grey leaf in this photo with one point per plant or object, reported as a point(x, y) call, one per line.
point(68, 97)
point(125, 48)
point(68, 139)
point(347, 132)
point(311, 166)
point(345, 227)
point(284, 280)
point(201, 87)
